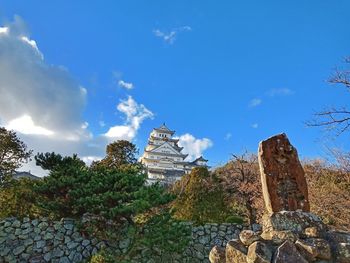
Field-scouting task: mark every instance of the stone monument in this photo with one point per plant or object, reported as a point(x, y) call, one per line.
point(282, 176)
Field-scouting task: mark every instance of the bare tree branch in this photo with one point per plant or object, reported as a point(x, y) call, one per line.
point(335, 119)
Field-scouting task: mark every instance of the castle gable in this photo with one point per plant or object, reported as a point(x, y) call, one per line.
point(166, 148)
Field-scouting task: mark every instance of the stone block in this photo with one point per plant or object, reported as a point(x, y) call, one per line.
point(235, 252)
point(288, 253)
point(259, 252)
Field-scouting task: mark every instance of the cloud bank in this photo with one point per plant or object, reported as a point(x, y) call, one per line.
point(44, 103)
point(192, 146)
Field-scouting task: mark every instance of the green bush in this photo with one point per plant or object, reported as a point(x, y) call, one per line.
point(234, 219)
point(18, 199)
point(202, 198)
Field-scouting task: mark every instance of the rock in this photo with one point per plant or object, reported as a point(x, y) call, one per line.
point(288, 253)
point(43, 225)
point(28, 242)
point(35, 222)
point(282, 176)
point(278, 237)
point(259, 252)
point(235, 252)
point(85, 242)
point(64, 260)
point(18, 250)
point(314, 248)
point(48, 236)
point(343, 253)
point(295, 221)
point(16, 224)
point(47, 257)
point(256, 227)
point(312, 232)
point(40, 244)
point(71, 245)
point(57, 252)
point(248, 237)
point(217, 255)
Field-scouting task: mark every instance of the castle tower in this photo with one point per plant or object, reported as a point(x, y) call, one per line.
point(164, 159)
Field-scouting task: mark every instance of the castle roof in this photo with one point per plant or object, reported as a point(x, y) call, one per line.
point(201, 159)
point(165, 129)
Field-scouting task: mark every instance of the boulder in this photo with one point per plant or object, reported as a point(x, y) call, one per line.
point(314, 248)
point(259, 252)
point(282, 176)
point(248, 237)
point(278, 237)
point(288, 253)
point(217, 255)
point(235, 252)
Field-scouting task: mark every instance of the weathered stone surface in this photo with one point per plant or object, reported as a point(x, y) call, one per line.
point(282, 176)
point(343, 253)
point(312, 232)
point(288, 253)
point(314, 248)
point(259, 252)
point(295, 221)
point(217, 255)
point(236, 252)
point(248, 237)
point(278, 237)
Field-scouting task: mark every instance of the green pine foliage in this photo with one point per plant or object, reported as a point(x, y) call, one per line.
point(200, 198)
point(73, 189)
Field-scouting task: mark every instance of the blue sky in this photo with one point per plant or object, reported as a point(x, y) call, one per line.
point(231, 72)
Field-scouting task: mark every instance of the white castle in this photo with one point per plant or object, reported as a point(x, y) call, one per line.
point(163, 158)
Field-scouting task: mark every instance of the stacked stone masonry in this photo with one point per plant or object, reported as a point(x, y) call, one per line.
point(42, 240)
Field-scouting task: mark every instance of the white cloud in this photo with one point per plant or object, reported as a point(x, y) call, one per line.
point(255, 102)
point(4, 30)
point(135, 114)
point(170, 36)
point(44, 103)
point(228, 136)
point(89, 159)
point(192, 146)
point(46, 94)
point(125, 85)
point(255, 125)
point(26, 125)
point(280, 92)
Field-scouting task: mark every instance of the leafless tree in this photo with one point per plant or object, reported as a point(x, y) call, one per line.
point(335, 119)
point(241, 179)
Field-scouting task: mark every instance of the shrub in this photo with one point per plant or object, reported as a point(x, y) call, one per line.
point(18, 199)
point(200, 198)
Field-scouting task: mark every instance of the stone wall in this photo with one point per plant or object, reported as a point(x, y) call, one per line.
point(41, 240)
point(207, 236)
